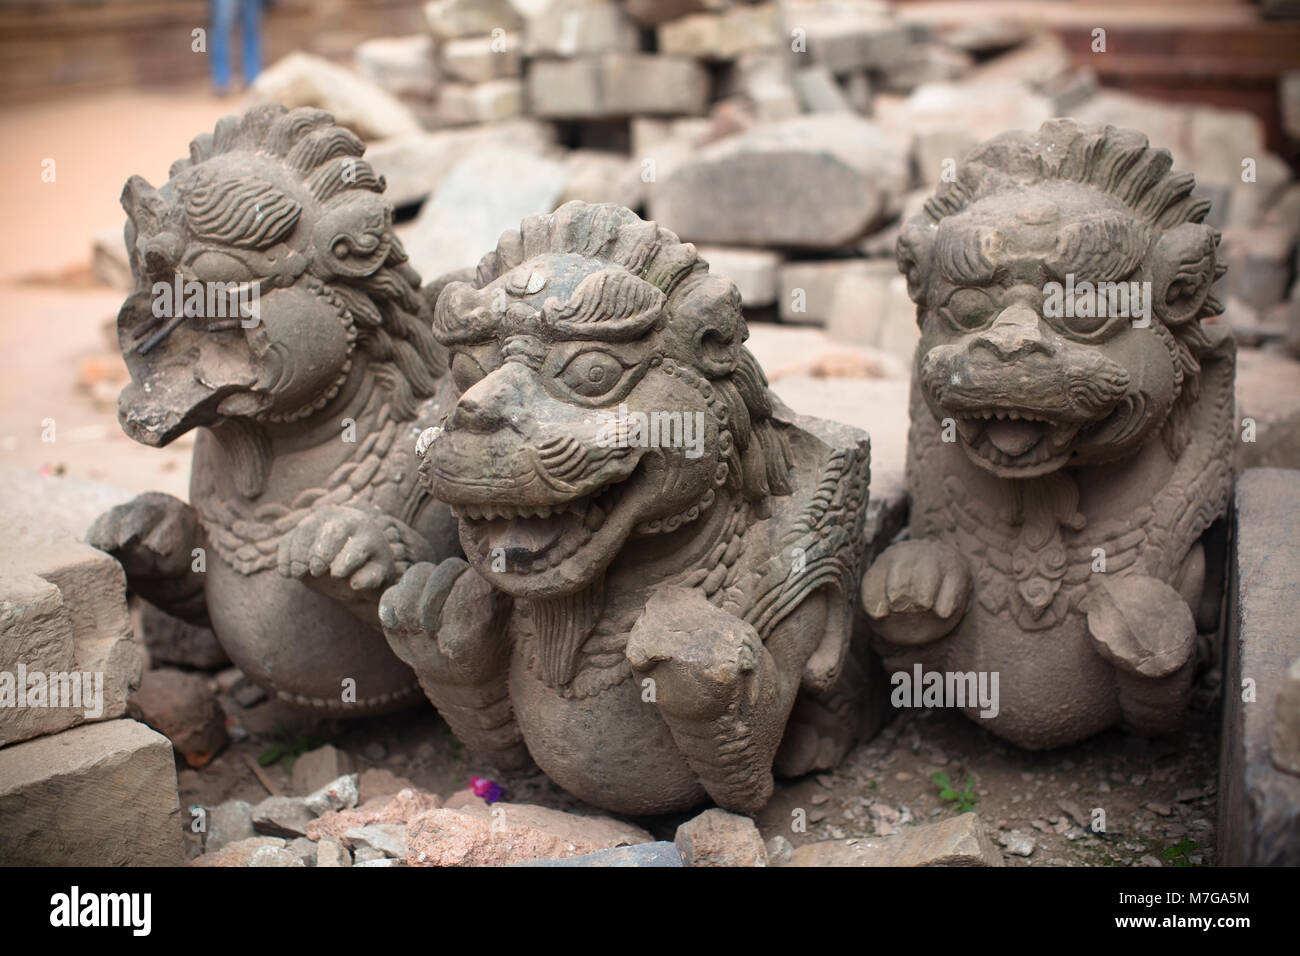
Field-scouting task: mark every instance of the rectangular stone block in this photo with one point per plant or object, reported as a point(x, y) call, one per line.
point(721, 36)
point(68, 652)
point(1259, 802)
point(479, 59)
point(870, 306)
point(753, 271)
point(481, 102)
point(99, 795)
point(567, 28)
point(617, 84)
point(806, 290)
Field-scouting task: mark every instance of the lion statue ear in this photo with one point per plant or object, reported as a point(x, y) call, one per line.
point(1182, 269)
point(353, 238)
point(915, 245)
point(707, 326)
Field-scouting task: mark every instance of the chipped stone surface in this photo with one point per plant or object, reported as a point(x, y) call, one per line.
point(840, 176)
point(319, 768)
point(62, 612)
point(398, 808)
point(719, 838)
point(511, 833)
point(661, 854)
point(179, 705)
point(958, 841)
point(1259, 804)
point(302, 79)
point(103, 794)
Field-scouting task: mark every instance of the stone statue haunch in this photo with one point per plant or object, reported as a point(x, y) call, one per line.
point(662, 565)
point(305, 503)
point(1064, 461)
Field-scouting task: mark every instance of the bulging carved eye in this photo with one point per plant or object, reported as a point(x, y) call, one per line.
point(592, 373)
point(969, 309)
point(213, 266)
point(465, 371)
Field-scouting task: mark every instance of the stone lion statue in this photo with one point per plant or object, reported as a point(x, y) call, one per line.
point(1071, 436)
point(660, 593)
point(303, 503)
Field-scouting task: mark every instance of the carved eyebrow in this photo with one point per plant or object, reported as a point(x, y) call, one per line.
point(1102, 248)
point(960, 257)
point(611, 305)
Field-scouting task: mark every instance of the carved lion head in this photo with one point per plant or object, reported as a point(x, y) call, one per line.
point(276, 210)
point(604, 394)
point(1060, 283)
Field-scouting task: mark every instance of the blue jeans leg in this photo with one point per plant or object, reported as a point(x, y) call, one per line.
point(223, 24)
point(251, 27)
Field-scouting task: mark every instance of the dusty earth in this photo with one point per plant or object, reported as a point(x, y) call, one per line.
point(1158, 796)
point(58, 362)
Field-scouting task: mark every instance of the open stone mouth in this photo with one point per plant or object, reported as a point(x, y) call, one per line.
point(1016, 439)
point(534, 538)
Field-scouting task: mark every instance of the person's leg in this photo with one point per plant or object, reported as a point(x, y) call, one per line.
point(223, 22)
point(251, 27)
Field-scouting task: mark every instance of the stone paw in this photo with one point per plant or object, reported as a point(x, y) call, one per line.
point(699, 657)
point(916, 591)
point(343, 544)
point(1140, 624)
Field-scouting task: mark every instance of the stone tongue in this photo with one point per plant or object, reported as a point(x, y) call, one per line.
point(1014, 436)
point(523, 539)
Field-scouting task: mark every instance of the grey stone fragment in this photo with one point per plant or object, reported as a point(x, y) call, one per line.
point(367, 854)
point(661, 853)
point(282, 817)
point(304, 849)
point(958, 841)
point(332, 853)
point(228, 823)
point(488, 191)
point(274, 856)
point(319, 768)
point(388, 838)
point(339, 794)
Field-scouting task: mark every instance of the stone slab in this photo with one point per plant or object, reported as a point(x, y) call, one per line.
point(99, 795)
point(1259, 804)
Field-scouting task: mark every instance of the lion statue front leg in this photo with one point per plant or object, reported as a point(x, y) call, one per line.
point(1146, 630)
point(724, 693)
point(450, 626)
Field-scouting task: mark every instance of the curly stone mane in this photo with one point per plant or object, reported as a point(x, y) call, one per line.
point(1118, 162)
point(699, 315)
point(353, 257)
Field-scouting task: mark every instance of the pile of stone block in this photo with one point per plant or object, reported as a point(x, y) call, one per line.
point(80, 783)
point(787, 138)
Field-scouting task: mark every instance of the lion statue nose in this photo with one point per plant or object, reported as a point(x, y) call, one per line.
point(1015, 334)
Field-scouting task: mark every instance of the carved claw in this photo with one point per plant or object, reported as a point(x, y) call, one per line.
point(152, 535)
point(916, 591)
point(699, 656)
point(1140, 624)
point(446, 622)
point(345, 544)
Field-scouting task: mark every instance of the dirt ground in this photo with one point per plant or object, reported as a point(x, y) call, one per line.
point(1158, 796)
point(58, 362)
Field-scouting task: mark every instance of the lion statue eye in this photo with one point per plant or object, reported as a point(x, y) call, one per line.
point(591, 374)
point(969, 309)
